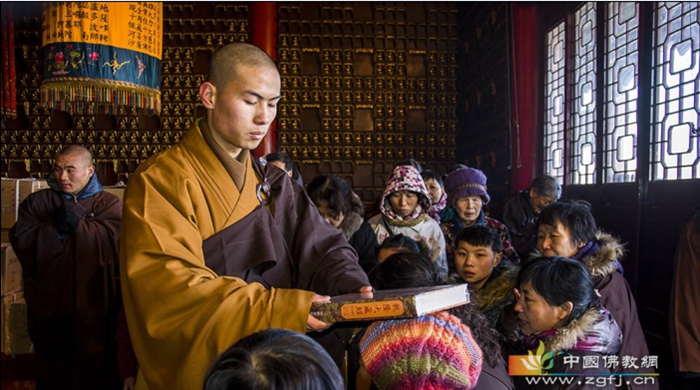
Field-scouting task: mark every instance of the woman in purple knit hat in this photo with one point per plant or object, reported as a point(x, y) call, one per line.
point(466, 195)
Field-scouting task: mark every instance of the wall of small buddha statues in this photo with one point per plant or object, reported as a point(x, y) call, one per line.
point(364, 85)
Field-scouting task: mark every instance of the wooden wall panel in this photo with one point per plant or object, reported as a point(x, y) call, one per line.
point(364, 86)
point(483, 134)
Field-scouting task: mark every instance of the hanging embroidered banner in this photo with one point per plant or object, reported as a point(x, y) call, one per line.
point(8, 105)
point(101, 55)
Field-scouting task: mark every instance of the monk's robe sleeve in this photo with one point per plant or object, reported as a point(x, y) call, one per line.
point(181, 314)
point(34, 237)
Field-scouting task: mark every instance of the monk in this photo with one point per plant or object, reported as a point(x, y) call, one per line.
point(67, 240)
point(216, 246)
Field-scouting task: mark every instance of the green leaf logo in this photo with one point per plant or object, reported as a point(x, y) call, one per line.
point(540, 361)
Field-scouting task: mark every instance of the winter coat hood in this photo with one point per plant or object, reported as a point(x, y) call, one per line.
point(605, 260)
point(405, 178)
point(595, 331)
point(353, 220)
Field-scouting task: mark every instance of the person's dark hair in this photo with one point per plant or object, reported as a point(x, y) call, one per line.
point(332, 189)
point(400, 241)
point(430, 174)
point(224, 62)
point(412, 162)
point(79, 150)
point(281, 156)
point(274, 359)
point(404, 270)
point(574, 215)
point(546, 185)
point(403, 243)
point(559, 280)
point(480, 235)
point(457, 166)
point(409, 270)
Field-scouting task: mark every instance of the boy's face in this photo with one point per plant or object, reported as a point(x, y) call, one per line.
point(474, 264)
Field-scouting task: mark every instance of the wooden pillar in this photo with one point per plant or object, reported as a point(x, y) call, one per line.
point(262, 24)
point(526, 98)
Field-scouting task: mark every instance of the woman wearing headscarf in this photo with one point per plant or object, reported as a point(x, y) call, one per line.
point(404, 210)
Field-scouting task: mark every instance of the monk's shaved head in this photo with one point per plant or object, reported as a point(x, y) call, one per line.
point(85, 154)
point(225, 61)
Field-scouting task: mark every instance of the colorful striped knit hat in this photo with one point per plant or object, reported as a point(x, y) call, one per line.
point(435, 351)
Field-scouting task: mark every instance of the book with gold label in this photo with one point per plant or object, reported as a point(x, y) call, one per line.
point(391, 304)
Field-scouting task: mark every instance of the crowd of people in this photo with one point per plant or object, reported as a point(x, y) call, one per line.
point(204, 277)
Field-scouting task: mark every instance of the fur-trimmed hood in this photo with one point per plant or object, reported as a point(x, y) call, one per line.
point(498, 291)
point(352, 222)
point(605, 260)
point(596, 330)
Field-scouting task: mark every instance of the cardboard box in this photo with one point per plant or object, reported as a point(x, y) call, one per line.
point(118, 191)
point(12, 193)
point(15, 336)
point(11, 281)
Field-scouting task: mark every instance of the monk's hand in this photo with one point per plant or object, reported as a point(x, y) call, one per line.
point(66, 219)
point(367, 292)
point(313, 324)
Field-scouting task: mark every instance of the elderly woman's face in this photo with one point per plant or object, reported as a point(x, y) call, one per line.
point(403, 202)
point(535, 314)
point(555, 240)
point(468, 209)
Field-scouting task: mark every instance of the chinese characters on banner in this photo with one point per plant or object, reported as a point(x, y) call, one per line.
point(101, 55)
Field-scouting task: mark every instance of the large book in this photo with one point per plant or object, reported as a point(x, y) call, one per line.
point(391, 304)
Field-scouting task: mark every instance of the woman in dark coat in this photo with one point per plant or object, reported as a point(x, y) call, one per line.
point(342, 208)
point(568, 229)
point(560, 316)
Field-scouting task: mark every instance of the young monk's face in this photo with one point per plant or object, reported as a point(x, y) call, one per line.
point(73, 172)
point(240, 111)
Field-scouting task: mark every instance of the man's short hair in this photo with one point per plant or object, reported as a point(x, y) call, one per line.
point(574, 215)
point(77, 149)
point(225, 61)
point(546, 185)
point(482, 236)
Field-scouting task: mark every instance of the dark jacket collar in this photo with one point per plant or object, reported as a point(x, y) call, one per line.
point(92, 188)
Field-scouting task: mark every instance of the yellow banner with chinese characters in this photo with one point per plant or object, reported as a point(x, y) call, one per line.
point(136, 26)
point(100, 56)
